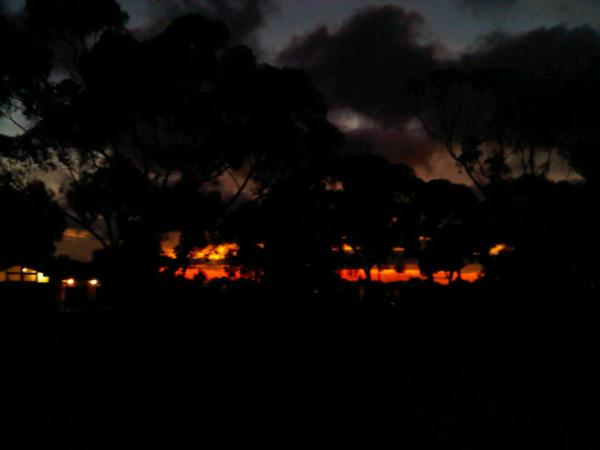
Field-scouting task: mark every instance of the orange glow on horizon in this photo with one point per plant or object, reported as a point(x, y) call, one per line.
point(216, 252)
point(470, 274)
point(498, 249)
point(211, 272)
point(211, 262)
point(212, 253)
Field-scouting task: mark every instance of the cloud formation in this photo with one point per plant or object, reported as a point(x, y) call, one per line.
point(362, 68)
point(365, 64)
point(571, 11)
point(406, 143)
point(11, 7)
point(244, 17)
point(557, 49)
point(488, 7)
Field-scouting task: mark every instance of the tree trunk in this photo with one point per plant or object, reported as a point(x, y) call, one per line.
point(368, 277)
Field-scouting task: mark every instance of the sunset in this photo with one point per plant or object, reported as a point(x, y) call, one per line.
point(212, 263)
point(284, 223)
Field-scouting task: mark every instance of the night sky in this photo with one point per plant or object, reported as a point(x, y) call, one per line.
point(457, 23)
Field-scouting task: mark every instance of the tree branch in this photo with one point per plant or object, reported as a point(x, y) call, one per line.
point(87, 227)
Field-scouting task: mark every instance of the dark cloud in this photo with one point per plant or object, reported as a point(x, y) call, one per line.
point(555, 59)
point(244, 17)
point(571, 11)
point(5, 7)
point(365, 64)
point(363, 67)
point(11, 7)
point(557, 49)
point(397, 144)
point(488, 7)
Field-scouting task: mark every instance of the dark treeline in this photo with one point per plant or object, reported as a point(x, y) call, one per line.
point(186, 131)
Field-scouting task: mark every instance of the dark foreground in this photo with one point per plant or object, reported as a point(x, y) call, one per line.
point(447, 369)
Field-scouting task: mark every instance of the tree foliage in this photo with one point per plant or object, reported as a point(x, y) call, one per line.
point(140, 125)
point(31, 224)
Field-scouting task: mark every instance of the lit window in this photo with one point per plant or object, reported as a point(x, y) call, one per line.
point(42, 279)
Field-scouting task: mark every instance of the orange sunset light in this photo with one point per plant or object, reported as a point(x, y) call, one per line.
point(498, 249)
point(216, 252)
point(211, 261)
point(471, 273)
point(212, 253)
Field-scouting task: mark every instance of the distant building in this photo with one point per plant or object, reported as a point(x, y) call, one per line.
point(22, 287)
point(22, 274)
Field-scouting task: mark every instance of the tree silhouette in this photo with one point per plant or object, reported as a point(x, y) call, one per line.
point(577, 122)
point(507, 129)
point(287, 238)
point(31, 224)
point(141, 126)
point(24, 69)
point(370, 208)
point(548, 227)
point(443, 103)
point(73, 20)
point(450, 225)
point(495, 123)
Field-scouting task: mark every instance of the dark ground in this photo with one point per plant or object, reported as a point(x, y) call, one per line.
point(448, 368)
